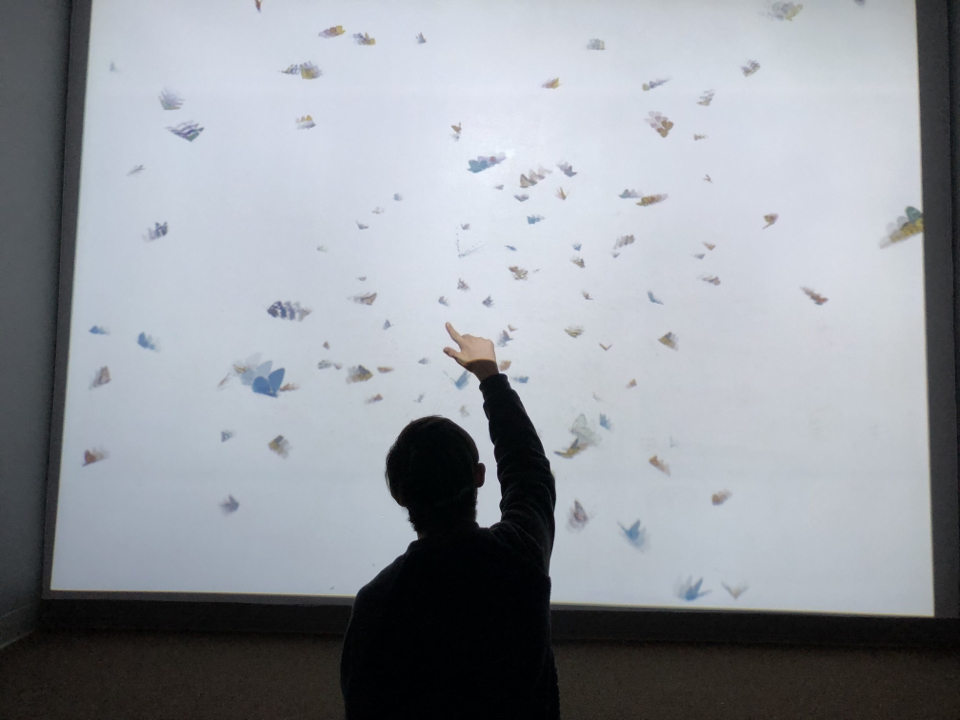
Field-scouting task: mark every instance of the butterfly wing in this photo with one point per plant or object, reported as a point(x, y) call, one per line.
point(262, 385)
point(276, 380)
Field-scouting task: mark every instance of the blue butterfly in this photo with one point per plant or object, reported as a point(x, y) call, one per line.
point(510, 247)
point(636, 535)
point(98, 330)
point(691, 591)
point(605, 422)
point(532, 219)
point(145, 341)
point(225, 435)
point(269, 385)
point(653, 299)
point(522, 379)
point(386, 325)
point(461, 382)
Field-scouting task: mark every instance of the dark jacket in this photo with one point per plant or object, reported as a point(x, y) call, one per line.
point(459, 627)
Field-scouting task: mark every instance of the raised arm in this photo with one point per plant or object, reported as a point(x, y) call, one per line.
point(528, 490)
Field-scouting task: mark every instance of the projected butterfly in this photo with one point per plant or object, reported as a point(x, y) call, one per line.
point(484, 162)
point(518, 272)
point(784, 10)
point(735, 592)
point(146, 341)
point(596, 44)
point(229, 505)
point(158, 231)
point(605, 422)
point(561, 194)
point(670, 340)
point(280, 446)
point(904, 227)
point(461, 382)
point(534, 219)
point(635, 534)
point(552, 84)
point(750, 68)
point(169, 101)
point(660, 123)
point(653, 299)
point(99, 330)
point(366, 299)
point(288, 311)
point(137, 169)
point(358, 374)
point(660, 465)
point(489, 301)
point(770, 219)
point(332, 32)
point(522, 379)
point(188, 131)
point(584, 437)
point(375, 399)
point(505, 365)
point(305, 123)
point(629, 194)
point(269, 385)
point(712, 279)
point(102, 378)
point(504, 339)
point(651, 200)
point(578, 516)
point(719, 498)
point(309, 71)
point(623, 241)
point(578, 261)
point(364, 39)
point(690, 590)
point(586, 295)
point(816, 297)
point(654, 84)
point(566, 169)
point(706, 98)
point(92, 456)
point(420, 41)
point(574, 331)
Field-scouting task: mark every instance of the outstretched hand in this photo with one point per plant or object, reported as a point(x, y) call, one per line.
point(476, 354)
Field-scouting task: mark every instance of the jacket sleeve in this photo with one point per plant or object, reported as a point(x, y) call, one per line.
point(528, 490)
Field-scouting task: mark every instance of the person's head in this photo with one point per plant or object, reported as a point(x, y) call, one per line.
point(434, 470)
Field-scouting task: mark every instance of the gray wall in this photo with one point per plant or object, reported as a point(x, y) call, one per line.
point(33, 72)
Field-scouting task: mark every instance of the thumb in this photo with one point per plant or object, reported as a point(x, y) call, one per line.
point(454, 354)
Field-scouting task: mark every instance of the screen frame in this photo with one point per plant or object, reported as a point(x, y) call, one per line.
point(937, 25)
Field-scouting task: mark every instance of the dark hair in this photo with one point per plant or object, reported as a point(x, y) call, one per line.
point(430, 471)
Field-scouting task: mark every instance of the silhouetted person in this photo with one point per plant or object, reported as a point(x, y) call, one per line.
point(459, 625)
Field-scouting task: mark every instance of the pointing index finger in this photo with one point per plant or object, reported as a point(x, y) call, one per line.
point(457, 338)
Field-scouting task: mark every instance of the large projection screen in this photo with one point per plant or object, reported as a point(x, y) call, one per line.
point(696, 229)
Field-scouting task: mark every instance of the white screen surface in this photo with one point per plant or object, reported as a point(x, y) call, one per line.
point(813, 417)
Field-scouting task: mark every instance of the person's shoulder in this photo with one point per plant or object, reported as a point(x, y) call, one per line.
point(519, 544)
point(380, 585)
